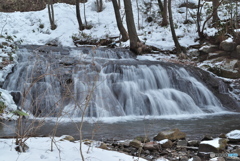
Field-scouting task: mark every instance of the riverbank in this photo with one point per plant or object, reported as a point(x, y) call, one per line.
point(167, 145)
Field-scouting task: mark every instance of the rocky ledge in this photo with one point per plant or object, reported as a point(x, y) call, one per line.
point(174, 146)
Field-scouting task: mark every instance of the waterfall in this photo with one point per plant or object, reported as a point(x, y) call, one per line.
point(105, 83)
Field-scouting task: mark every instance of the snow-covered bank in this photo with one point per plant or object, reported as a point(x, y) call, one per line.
point(8, 102)
point(34, 27)
point(40, 149)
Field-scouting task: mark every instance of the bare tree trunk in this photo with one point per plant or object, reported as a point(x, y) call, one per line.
point(160, 7)
point(119, 22)
point(186, 18)
point(138, 14)
point(134, 47)
point(51, 15)
point(165, 14)
point(215, 4)
point(80, 24)
point(200, 34)
point(99, 5)
point(236, 14)
point(85, 18)
point(119, 4)
point(175, 39)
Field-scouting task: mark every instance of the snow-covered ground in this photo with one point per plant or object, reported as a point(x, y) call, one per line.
point(40, 149)
point(34, 27)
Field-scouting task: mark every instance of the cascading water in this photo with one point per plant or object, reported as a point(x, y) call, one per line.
point(105, 83)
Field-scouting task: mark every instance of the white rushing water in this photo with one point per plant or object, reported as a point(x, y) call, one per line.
point(103, 83)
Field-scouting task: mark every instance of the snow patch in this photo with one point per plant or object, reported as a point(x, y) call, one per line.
point(214, 142)
point(235, 134)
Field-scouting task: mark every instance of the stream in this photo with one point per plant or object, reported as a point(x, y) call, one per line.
point(119, 96)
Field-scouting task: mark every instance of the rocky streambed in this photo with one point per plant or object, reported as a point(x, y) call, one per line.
point(174, 146)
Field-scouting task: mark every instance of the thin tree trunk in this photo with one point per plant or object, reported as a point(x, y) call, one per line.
point(165, 14)
point(119, 22)
point(131, 27)
point(119, 4)
point(175, 39)
point(160, 7)
point(236, 14)
point(138, 15)
point(186, 19)
point(80, 24)
point(51, 15)
point(85, 17)
point(215, 4)
point(200, 34)
point(101, 6)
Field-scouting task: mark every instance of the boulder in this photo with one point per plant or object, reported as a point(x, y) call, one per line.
point(173, 134)
point(194, 143)
point(228, 45)
point(151, 146)
point(135, 143)
point(142, 139)
point(207, 137)
point(216, 145)
point(103, 146)
point(234, 136)
point(237, 151)
point(166, 143)
point(227, 68)
point(209, 49)
point(67, 137)
point(217, 54)
point(232, 159)
point(196, 158)
point(124, 143)
point(182, 144)
point(238, 49)
point(217, 159)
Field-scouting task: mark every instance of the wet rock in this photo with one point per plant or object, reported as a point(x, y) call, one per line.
point(204, 156)
point(237, 151)
point(16, 97)
point(183, 158)
point(209, 49)
point(217, 54)
point(196, 158)
point(166, 143)
point(142, 139)
point(207, 137)
point(173, 134)
point(228, 46)
point(21, 147)
point(194, 143)
point(217, 159)
point(232, 159)
point(192, 148)
point(103, 146)
point(67, 137)
point(53, 42)
point(222, 135)
point(182, 143)
point(234, 136)
point(216, 145)
point(151, 146)
point(124, 143)
point(238, 49)
point(135, 143)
